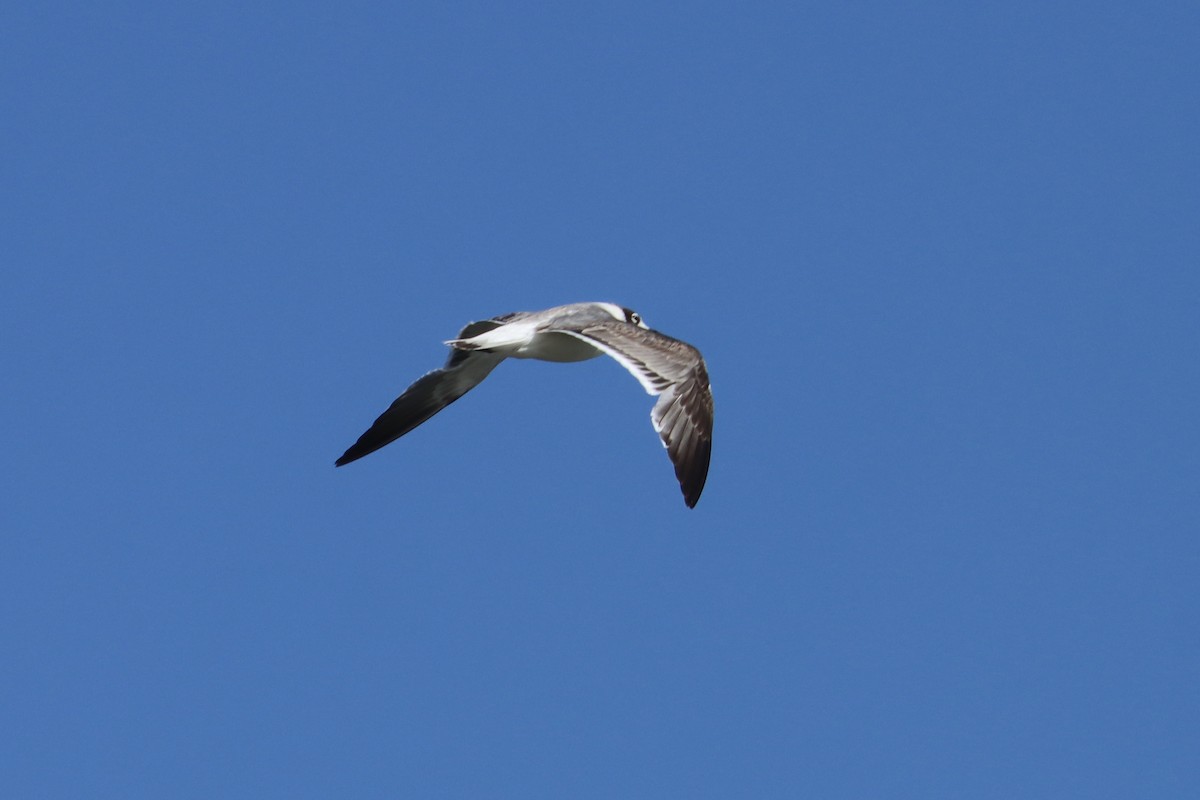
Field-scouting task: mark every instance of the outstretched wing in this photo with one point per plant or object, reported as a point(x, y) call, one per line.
point(429, 395)
point(675, 371)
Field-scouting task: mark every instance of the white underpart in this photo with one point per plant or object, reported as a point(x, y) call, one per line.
point(523, 340)
point(504, 339)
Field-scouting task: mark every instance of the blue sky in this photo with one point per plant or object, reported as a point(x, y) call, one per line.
point(943, 261)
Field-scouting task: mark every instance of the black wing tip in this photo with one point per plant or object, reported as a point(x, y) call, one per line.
point(693, 473)
point(692, 491)
point(357, 451)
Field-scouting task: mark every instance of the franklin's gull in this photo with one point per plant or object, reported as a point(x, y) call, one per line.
point(666, 367)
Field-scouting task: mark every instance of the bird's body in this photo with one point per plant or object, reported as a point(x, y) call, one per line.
point(666, 367)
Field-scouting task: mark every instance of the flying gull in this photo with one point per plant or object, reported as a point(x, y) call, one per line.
point(666, 367)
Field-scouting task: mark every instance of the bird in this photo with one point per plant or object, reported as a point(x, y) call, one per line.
point(668, 368)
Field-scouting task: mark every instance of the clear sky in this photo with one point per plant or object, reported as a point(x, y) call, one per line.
point(943, 260)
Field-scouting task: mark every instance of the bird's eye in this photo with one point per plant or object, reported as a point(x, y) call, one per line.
point(635, 318)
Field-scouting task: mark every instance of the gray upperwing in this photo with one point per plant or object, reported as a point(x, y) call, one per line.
point(675, 371)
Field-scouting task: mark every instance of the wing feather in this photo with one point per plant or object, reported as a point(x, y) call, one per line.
point(675, 371)
point(428, 395)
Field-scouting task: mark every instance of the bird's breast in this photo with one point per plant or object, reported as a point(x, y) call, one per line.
point(556, 347)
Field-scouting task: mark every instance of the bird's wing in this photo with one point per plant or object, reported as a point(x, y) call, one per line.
point(431, 393)
point(675, 371)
